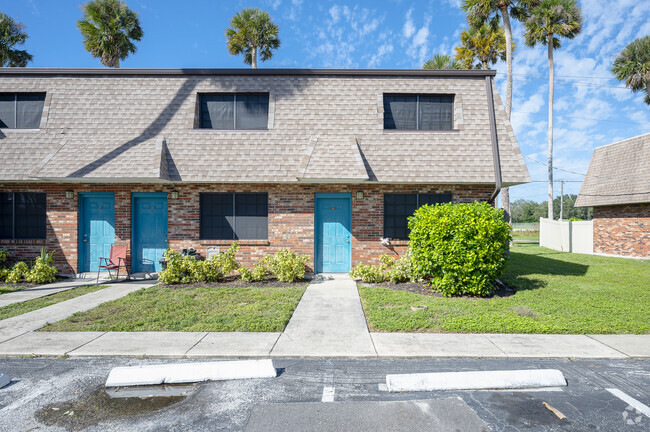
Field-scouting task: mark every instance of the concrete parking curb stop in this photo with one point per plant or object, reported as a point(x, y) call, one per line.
point(476, 380)
point(190, 373)
point(4, 380)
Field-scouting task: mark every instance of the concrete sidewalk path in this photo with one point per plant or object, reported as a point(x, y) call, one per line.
point(43, 290)
point(30, 321)
point(328, 322)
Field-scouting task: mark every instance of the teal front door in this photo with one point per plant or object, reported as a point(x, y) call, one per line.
point(96, 229)
point(148, 231)
point(333, 239)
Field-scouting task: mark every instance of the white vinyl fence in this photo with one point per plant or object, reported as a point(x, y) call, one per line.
point(567, 236)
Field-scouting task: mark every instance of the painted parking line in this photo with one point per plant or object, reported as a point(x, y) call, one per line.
point(328, 394)
point(643, 409)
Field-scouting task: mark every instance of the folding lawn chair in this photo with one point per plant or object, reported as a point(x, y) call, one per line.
point(115, 262)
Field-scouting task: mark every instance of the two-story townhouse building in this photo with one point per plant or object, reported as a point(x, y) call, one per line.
point(328, 163)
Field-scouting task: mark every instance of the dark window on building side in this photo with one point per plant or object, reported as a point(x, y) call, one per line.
point(243, 111)
point(418, 112)
point(21, 110)
point(398, 207)
point(22, 215)
point(238, 216)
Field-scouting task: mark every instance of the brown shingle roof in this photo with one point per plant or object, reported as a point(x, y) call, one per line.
point(618, 173)
point(111, 126)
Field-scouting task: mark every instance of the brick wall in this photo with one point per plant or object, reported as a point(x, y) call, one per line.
point(291, 217)
point(622, 230)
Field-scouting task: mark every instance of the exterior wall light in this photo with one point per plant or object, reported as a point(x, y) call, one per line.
point(174, 195)
point(69, 194)
point(359, 195)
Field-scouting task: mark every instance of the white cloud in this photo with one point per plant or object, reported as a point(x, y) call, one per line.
point(409, 26)
point(335, 13)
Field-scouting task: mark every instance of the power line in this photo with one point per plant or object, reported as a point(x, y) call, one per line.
point(592, 175)
point(577, 84)
point(585, 118)
point(567, 76)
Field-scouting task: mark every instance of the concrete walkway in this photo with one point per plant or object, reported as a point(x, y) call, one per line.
point(30, 321)
point(42, 291)
point(328, 322)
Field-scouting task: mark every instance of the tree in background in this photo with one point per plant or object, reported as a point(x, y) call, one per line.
point(633, 66)
point(485, 44)
point(530, 211)
point(547, 22)
point(252, 31)
point(11, 34)
point(109, 28)
point(480, 11)
point(441, 61)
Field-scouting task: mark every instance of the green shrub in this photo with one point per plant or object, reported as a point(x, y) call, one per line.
point(187, 269)
point(286, 265)
point(173, 272)
point(3, 257)
point(18, 272)
point(368, 273)
point(226, 260)
point(462, 247)
point(403, 269)
point(3, 274)
point(42, 271)
point(257, 274)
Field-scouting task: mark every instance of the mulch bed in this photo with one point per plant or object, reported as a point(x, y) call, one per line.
point(424, 288)
point(236, 282)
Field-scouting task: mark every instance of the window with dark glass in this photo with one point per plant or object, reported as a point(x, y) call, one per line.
point(21, 110)
point(398, 207)
point(244, 111)
point(234, 216)
point(22, 215)
point(418, 112)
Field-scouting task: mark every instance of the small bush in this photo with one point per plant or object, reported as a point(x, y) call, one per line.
point(258, 273)
point(403, 269)
point(42, 271)
point(3, 274)
point(226, 260)
point(175, 271)
point(18, 272)
point(187, 269)
point(462, 247)
point(368, 273)
point(286, 265)
point(3, 257)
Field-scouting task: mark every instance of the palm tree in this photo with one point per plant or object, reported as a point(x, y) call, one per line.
point(485, 44)
point(12, 34)
point(250, 31)
point(441, 61)
point(633, 66)
point(109, 28)
point(480, 11)
point(549, 21)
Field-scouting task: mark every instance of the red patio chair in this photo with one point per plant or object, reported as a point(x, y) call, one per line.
point(115, 262)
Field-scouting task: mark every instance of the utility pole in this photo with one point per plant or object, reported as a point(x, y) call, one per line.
point(561, 198)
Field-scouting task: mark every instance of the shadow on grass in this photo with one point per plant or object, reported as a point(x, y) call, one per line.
point(522, 265)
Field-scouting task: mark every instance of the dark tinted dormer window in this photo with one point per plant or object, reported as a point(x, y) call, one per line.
point(242, 111)
point(418, 111)
point(21, 110)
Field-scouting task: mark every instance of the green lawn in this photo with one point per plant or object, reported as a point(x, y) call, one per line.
point(8, 288)
point(30, 305)
point(217, 309)
point(557, 292)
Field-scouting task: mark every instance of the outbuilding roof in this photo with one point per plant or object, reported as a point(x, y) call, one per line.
point(121, 125)
point(619, 173)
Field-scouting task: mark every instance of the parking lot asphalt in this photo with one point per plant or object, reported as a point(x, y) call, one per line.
point(67, 394)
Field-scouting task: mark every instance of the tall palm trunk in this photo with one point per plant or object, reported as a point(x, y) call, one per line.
point(505, 192)
point(550, 126)
point(254, 58)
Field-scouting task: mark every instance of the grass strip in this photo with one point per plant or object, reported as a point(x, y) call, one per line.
point(217, 309)
point(41, 302)
point(557, 292)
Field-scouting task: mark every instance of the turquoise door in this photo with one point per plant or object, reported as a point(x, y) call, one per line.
point(333, 239)
point(148, 231)
point(96, 229)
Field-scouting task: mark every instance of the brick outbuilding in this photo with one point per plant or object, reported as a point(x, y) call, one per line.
point(328, 163)
point(617, 186)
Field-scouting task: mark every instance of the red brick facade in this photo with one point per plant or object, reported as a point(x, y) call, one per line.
point(291, 217)
point(622, 230)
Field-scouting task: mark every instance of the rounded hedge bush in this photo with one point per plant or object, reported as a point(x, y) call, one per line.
point(463, 248)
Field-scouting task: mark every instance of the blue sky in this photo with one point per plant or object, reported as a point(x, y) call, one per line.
point(591, 109)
